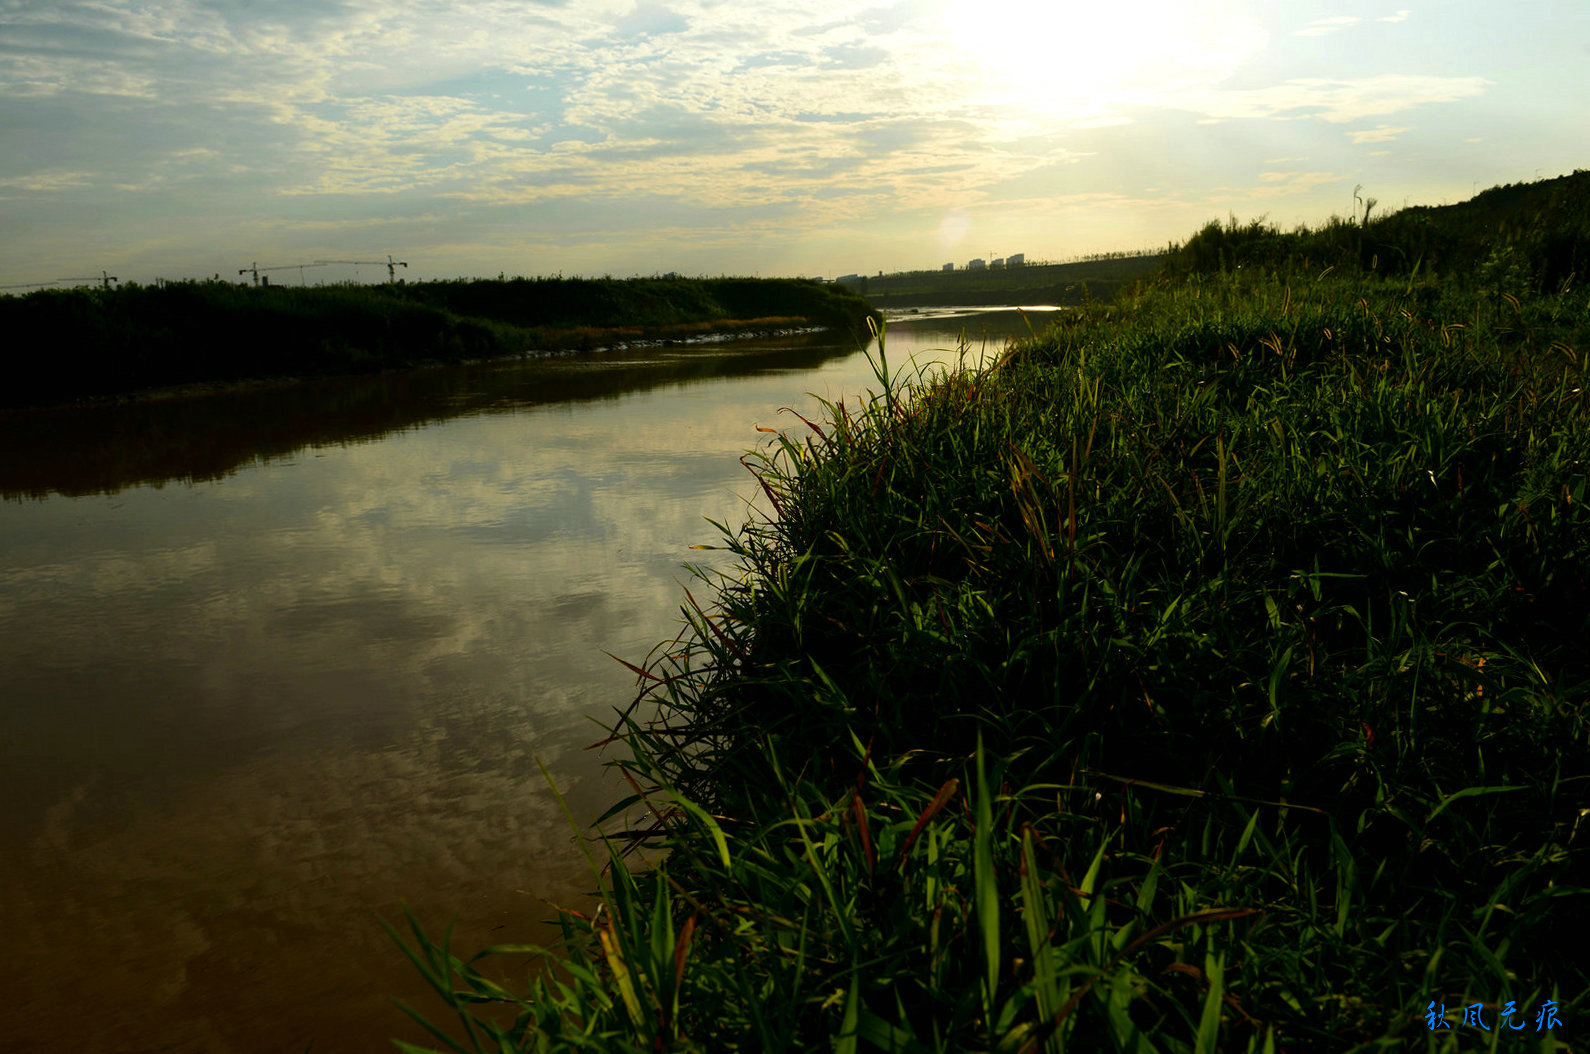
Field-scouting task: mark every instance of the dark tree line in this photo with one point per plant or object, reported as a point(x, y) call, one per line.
point(69, 344)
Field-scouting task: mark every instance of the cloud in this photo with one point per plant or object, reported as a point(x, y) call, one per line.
point(351, 223)
point(1279, 184)
point(1335, 100)
point(36, 76)
point(309, 116)
point(1321, 27)
point(615, 101)
point(606, 101)
point(1382, 134)
point(52, 180)
point(501, 102)
point(1324, 26)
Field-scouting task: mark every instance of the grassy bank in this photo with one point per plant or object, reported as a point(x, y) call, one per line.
point(1209, 674)
point(1520, 238)
point(89, 343)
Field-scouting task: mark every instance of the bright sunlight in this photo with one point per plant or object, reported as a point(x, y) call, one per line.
point(1082, 60)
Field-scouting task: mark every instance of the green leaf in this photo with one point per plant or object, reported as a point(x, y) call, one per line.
point(985, 883)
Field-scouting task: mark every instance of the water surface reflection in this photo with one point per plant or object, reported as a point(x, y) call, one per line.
point(276, 660)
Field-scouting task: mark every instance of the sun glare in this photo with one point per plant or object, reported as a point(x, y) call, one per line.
point(1080, 60)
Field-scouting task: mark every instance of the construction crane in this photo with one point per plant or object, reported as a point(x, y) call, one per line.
point(104, 278)
point(256, 270)
point(390, 264)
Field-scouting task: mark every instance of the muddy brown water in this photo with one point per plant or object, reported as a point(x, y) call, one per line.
point(275, 662)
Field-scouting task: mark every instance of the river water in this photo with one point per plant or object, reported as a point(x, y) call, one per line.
point(274, 663)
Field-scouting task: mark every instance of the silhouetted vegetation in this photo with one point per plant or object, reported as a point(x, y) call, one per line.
point(1098, 277)
point(104, 449)
point(1522, 237)
point(75, 450)
point(97, 342)
point(661, 301)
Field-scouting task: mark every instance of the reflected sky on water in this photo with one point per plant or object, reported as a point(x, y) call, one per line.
point(274, 661)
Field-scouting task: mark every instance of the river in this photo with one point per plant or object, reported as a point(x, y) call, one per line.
point(275, 662)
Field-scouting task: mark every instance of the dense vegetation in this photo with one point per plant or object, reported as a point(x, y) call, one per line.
point(1209, 674)
point(1523, 237)
point(1096, 278)
point(91, 342)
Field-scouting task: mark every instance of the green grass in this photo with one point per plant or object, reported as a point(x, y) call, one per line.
point(1526, 237)
point(1209, 674)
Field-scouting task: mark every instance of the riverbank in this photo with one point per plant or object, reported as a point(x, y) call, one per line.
point(1100, 278)
point(547, 343)
point(1208, 674)
point(195, 336)
point(209, 432)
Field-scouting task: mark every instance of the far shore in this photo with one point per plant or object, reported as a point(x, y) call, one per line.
point(194, 338)
point(608, 339)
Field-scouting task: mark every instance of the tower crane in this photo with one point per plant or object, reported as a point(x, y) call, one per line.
point(256, 270)
point(104, 278)
point(390, 264)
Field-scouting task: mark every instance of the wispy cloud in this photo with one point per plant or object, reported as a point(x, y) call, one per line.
point(1333, 100)
point(1325, 26)
point(1382, 134)
point(1274, 184)
point(55, 179)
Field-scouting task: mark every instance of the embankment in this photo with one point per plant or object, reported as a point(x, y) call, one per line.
point(70, 345)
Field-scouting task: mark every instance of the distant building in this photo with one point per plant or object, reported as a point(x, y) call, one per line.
point(999, 261)
point(845, 278)
point(976, 265)
point(948, 267)
point(1015, 259)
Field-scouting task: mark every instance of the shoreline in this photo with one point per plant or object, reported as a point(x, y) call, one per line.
point(636, 339)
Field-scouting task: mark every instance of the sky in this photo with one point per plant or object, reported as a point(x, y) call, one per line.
point(188, 138)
